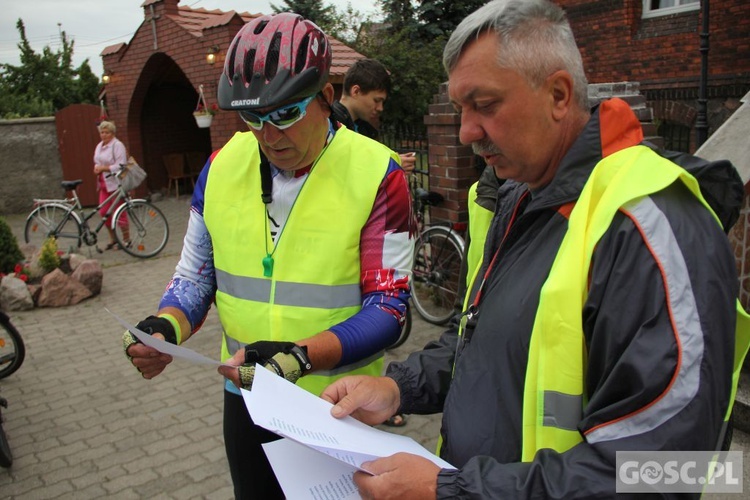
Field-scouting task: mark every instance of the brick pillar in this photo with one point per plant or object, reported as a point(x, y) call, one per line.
point(452, 169)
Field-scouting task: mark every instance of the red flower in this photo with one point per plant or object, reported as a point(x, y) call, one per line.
point(18, 268)
point(23, 277)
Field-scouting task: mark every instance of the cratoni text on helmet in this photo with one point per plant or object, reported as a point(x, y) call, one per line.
point(246, 102)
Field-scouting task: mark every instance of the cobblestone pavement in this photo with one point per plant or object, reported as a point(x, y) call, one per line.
point(81, 422)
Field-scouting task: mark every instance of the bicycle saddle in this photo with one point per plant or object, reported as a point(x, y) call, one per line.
point(68, 185)
point(429, 197)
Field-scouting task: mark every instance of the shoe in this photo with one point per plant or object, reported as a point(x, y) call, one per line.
point(112, 245)
point(397, 420)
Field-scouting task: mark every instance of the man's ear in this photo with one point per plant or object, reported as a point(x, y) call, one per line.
point(328, 93)
point(560, 87)
point(355, 91)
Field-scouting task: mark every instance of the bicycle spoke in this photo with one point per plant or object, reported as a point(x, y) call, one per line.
point(141, 229)
point(436, 274)
point(53, 219)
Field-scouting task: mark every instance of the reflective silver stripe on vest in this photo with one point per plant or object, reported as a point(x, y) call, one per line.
point(289, 293)
point(256, 289)
point(317, 296)
point(562, 411)
point(660, 238)
point(233, 346)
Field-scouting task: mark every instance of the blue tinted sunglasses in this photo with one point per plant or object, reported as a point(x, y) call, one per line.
point(281, 118)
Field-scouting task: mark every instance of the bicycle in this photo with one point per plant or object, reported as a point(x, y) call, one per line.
point(12, 353)
point(438, 255)
point(12, 348)
point(140, 228)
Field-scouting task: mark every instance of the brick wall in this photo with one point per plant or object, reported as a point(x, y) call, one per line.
point(663, 54)
point(618, 45)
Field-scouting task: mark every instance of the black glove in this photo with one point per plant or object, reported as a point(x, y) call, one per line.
point(286, 359)
point(150, 325)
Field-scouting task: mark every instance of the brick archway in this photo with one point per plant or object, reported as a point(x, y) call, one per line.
point(160, 117)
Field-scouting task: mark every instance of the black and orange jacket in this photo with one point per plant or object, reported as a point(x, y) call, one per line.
point(630, 340)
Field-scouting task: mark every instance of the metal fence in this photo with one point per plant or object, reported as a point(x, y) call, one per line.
point(409, 139)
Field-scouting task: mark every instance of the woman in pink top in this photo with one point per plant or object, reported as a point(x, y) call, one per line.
point(109, 156)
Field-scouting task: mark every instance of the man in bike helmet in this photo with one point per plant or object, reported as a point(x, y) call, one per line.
point(300, 232)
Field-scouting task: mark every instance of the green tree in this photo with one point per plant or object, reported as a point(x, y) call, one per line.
point(440, 17)
point(44, 83)
point(398, 15)
point(314, 10)
point(416, 73)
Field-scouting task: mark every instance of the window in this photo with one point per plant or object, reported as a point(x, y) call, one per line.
point(676, 136)
point(654, 8)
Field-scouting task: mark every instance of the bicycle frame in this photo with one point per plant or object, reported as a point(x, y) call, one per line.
point(76, 211)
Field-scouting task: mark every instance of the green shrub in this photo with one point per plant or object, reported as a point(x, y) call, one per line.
point(48, 258)
point(10, 254)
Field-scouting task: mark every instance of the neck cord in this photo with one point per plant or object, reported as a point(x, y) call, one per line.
point(472, 312)
point(267, 198)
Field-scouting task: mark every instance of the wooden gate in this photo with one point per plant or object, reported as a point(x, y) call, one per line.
point(77, 137)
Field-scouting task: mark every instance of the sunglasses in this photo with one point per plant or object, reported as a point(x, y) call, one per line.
point(281, 118)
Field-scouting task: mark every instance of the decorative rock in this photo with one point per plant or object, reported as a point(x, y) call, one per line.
point(59, 289)
point(75, 260)
point(90, 273)
point(14, 295)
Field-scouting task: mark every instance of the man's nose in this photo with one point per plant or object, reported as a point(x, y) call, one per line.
point(270, 134)
point(470, 131)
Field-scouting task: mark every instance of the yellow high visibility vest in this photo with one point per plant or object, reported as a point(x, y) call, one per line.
point(315, 278)
point(479, 224)
point(553, 392)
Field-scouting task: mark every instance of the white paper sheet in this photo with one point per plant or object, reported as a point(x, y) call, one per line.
point(164, 346)
point(281, 407)
point(321, 477)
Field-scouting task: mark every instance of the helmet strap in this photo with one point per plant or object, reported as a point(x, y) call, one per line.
point(266, 180)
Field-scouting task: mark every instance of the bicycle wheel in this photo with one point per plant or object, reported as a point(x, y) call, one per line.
point(436, 273)
point(56, 220)
point(405, 331)
point(12, 349)
point(140, 228)
point(6, 458)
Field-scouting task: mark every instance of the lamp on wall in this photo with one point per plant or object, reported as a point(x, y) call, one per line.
point(106, 77)
point(211, 55)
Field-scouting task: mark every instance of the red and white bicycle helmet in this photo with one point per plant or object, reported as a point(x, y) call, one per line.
point(274, 59)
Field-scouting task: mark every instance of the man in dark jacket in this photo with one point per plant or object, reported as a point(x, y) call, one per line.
point(366, 87)
point(603, 315)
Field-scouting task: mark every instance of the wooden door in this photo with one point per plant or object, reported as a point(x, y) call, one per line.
point(77, 137)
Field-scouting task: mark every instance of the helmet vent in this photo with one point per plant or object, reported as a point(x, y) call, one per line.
point(230, 64)
point(249, 63)
point(272, 59)
point(260, 27)
point(301, 60)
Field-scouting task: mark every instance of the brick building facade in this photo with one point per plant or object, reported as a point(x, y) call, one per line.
point(154, 82)
point(652, 55)
point(625, 41)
